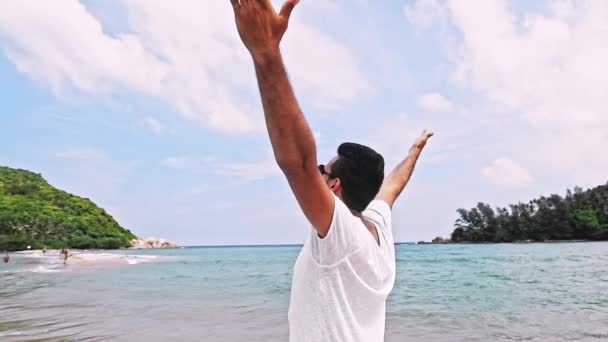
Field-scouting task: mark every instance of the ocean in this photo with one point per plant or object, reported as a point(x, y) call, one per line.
point(493, 292)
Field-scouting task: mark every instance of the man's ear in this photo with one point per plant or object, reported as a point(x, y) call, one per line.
point(336, 186)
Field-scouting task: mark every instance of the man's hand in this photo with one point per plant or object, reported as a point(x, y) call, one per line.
point(396, 181)
point(424, 137)
point(261, 28)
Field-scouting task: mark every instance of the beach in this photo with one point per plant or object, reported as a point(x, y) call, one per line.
point(51, 260)
point(535, 292)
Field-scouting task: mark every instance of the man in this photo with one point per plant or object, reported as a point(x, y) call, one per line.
point(346, 268)
point(64, 254)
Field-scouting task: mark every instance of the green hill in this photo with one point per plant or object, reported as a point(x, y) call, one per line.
point(580, 215)
point(34, 213)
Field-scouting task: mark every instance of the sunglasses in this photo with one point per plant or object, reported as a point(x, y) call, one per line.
point(323, 172)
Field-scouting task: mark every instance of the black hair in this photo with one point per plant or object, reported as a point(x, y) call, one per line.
point(361, 172)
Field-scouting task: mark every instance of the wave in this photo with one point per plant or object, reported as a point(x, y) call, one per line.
point(37, 269)
point(43, 269)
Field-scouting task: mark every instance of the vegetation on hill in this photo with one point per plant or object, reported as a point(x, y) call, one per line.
point(580, 215)
point(34, 213)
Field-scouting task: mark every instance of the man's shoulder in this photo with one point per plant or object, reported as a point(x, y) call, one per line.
point(379, 204)
point(378, 207)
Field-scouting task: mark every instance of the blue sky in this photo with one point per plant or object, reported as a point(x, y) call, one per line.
point(151, 109)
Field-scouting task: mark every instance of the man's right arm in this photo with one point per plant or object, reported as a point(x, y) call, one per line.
point(396, 181)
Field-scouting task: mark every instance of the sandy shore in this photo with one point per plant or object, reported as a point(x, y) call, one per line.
point(85, 257)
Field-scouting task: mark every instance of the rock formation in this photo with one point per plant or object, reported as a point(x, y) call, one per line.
point(152, 242)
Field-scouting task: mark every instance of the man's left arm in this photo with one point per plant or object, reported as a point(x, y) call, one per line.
point(396, 181)
point(261, 28)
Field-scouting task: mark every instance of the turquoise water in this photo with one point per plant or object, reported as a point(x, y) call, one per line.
point(532, 292)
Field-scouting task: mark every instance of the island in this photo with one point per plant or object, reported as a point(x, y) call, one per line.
point(580, 215)
point(36, 215)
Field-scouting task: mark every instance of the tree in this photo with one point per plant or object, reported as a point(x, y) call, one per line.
point(581, 214)
point(32, 212)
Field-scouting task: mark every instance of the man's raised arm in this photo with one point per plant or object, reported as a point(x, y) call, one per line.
point(396, 181)
point(261, 29)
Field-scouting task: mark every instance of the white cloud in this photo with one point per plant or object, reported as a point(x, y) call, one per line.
point(187, 54)
point(90, 173)
point(81, 154)
point(238, 170)
point(547, 68)
point(154, 125)
point(508, 173)
point(325, 70)
point(250, 171)
point(43, 43)
point(434, 102)
point(425, 12)
point(176, 162)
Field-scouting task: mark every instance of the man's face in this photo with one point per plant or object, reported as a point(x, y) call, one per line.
point(326, 172)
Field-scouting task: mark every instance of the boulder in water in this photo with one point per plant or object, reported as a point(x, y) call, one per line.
point(152, 242)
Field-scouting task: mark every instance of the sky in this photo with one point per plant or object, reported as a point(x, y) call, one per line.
point(150, 108)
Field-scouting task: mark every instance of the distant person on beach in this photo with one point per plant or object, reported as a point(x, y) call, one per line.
point(346, 268)
point(64, 254)
point(6, 258)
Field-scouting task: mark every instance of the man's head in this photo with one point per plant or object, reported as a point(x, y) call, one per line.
point(355, 175)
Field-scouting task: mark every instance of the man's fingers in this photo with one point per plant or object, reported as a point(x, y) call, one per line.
point(287, 8)
point(235, 4)
point(265, 4)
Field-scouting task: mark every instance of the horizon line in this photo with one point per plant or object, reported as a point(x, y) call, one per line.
point(266, 245)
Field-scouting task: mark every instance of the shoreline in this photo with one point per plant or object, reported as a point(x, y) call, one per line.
point(113, 251)
point(87, 257)
point(524, 242)
point(97, 249)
